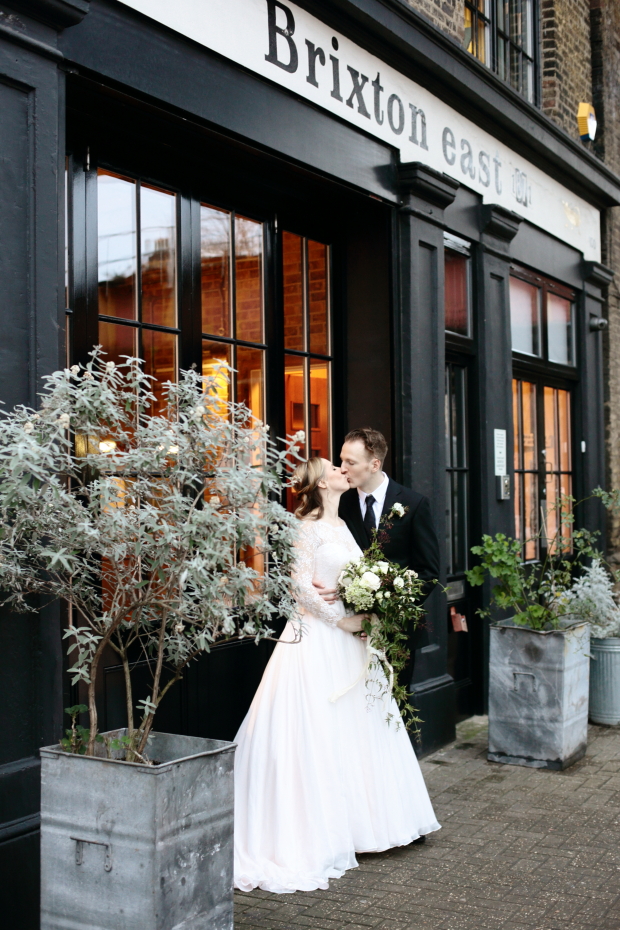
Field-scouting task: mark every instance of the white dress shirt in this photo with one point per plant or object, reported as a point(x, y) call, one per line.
point(379, 496)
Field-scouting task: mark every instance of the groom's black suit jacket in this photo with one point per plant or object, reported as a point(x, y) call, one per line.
point(412, 538)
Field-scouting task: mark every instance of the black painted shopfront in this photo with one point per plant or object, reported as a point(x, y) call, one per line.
point(158, 198)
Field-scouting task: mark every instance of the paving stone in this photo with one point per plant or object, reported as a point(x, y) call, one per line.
point(520, 849)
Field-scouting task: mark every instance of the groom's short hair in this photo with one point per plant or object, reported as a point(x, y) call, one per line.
point(373, 441)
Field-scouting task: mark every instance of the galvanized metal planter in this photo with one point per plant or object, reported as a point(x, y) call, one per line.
point(136, 847)
point(538, 695)
point(605, 681)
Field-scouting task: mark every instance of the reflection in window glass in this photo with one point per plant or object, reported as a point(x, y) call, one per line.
point(213, 353)
point(457, 292)
point(215, 270)
point(560, 339)
point(317, 298)
point(249, 279)
point(526, 466)
point(158, 256)
point(250, 380)
point(117, 246)
point(293, 291)
point(457, 469)
point(118, 341)
point(557, 456)
point(319, 418)
point(525, 317)
point(159, 351)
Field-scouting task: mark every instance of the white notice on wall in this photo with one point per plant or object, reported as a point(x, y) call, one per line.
point(499, 436)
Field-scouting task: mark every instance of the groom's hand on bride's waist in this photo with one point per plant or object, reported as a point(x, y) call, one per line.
point(329, 595)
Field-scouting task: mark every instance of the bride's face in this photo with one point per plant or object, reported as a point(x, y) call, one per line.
point(335, 481)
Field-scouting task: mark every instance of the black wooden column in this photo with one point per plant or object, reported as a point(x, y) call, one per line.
point(498, 228)
point(31, 345)
point(589, 414)
point(419, 350)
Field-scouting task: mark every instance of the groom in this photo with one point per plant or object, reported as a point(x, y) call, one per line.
point(412, 538)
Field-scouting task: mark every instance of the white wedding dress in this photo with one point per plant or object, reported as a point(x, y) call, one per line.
point(317, 781)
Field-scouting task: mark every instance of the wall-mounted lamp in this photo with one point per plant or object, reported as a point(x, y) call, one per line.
point(586, 120)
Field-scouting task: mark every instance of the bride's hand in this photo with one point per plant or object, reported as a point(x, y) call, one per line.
point(352, 624)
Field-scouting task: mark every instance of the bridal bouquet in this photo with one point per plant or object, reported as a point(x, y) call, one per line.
point(391, 596)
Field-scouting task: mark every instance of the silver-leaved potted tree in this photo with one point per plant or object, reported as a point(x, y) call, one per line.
point(156, 521)
point(539, 663)
point(592, 598)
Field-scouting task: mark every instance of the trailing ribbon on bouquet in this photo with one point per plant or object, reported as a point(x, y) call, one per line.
point(371, 653)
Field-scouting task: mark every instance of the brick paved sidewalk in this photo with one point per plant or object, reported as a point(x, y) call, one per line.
point(520, 849)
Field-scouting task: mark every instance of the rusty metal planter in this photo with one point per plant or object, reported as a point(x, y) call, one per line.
point(126, 846)
point(538, 695)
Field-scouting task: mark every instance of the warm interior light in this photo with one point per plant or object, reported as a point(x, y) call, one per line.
point(586, 120)
point(107, 445)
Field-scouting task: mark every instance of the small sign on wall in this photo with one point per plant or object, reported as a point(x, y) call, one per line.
point(499, 437)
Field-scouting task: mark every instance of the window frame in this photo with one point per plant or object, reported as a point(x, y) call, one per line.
point(497, 36)
point(541, 363)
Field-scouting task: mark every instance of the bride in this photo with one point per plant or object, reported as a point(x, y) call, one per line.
point(319, 780)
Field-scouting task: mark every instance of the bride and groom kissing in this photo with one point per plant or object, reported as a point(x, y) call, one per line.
point(316, 780)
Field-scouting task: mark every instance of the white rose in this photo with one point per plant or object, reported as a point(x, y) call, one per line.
point(371, 581)
point(399, 583)
point(382, 567)
point(28, 426)
point(399, 509)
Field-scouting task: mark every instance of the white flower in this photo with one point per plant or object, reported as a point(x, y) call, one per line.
point(28, 426)
point(75, 370)
point(371, 581)
point(179, 627)
point(198, 412)
point(399, 510)
point(87, 376)
point(379, 595)
point(410, 572)
point(63, 420)
point(109, 367)
point(399, 583)
point(382, 567)
point(299, 436)
point(388, 594)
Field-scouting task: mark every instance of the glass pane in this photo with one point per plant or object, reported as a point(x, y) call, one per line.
point(457, 292)
point(320, 425)
point(460, 520)
point(516, 420)
point(318, 321)
point(251, 380)
point(530, 506)
point(159, 256)
point(566, 489)
point(447, 412)
point(116, 243)
point(159, 351)
point(294, 394)
point(449, 545)
point(215, 270)
point(551, 438)
point(560, 329)
point(525, 316)
point(468, 40)
point(459, 426)
point(552, 515)
point(118, 341)
point(249, 279)
point(212, 354)
point(518, 501)
point(564, 430)
point(481, 43)
point(528, 425)
point(293, 291)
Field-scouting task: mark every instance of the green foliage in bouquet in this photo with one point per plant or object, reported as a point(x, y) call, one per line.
point(392, 596)
point(535, 593)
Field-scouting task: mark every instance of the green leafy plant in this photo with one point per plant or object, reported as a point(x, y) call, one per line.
point(535, 593)
point(156, 519)
point(76, 738)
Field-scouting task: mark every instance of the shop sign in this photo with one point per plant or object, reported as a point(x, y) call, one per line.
point(285, 44)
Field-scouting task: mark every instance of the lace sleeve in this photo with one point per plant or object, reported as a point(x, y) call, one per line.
point(303, 573)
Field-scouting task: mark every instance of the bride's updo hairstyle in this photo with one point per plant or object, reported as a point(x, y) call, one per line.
point(306, 479)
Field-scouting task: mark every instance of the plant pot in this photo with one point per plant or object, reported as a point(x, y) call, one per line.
point(538, 695)
point(126, 846)
point(605, 681)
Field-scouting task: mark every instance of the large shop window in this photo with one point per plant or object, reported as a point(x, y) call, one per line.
point(544, 356)
point(502, 34)
point(146, 258)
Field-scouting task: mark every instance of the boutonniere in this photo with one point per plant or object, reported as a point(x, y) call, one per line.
point(397, 511)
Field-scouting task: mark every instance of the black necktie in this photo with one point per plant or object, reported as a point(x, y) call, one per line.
point(369, 517)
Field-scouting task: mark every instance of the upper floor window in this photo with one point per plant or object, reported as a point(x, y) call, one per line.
point(501, 33)
point(542, 318)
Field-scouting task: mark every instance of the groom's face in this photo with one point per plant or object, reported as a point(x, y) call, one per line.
point(358, 466)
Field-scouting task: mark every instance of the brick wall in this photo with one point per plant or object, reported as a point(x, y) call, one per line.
point(447, 15)
point(565, 60)
point(605, 31)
